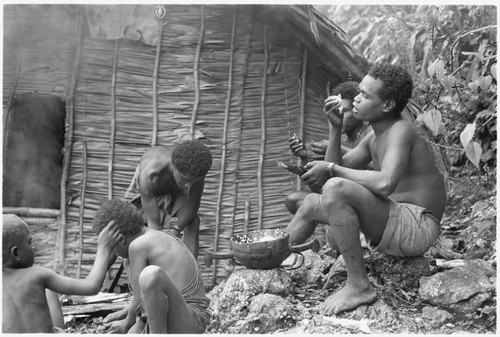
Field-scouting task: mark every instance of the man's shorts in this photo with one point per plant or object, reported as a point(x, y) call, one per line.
point(411, 230)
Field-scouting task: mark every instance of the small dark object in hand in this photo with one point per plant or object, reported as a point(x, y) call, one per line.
point(294, 168)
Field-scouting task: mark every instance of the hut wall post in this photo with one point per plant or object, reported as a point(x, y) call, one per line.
point(68, 143)
point(224, 145)
point(302, 113)
point(263, 131)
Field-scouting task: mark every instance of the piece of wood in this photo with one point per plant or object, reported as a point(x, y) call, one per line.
point(30, 212)
point(82, 207)
point(196, 73)
point(94, 307)
point(68, 143)
point(224, 145)
point(262, 132)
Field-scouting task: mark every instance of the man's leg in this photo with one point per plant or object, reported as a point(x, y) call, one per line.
point(306, 218)
point(294, 200)
point(351, 207)
point(160, 294)
point(192, 236)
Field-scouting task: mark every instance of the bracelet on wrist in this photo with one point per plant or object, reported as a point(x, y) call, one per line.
point(330, 169)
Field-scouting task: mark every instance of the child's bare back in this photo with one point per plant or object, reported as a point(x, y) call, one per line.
point(24, 303)
point(169, 253)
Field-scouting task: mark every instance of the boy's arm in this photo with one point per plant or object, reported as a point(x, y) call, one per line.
point(189, 210)
point(92, 283)
point(138, 261)
point(151, 210)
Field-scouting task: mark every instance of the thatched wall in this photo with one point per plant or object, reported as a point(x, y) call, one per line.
point(230, 75)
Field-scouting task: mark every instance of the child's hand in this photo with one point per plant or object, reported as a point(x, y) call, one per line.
point(297, 147)
point(119, 327)
point(333, 110)
point(109, 236)
point(320, 147)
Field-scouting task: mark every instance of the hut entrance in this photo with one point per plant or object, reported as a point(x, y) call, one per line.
point(32, 153)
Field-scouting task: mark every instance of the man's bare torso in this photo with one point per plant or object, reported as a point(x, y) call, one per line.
point(421, 183)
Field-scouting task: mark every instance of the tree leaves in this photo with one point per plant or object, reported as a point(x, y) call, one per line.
point(433, 121)
point(473, 149)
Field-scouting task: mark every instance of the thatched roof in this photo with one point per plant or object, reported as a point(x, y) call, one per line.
point(242, 78)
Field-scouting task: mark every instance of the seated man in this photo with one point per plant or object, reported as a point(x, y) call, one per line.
point(397, 205)
point(29, 293)
point(170, 183)
point(168, 290)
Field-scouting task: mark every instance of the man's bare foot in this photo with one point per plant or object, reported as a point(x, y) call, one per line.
point(347, 298)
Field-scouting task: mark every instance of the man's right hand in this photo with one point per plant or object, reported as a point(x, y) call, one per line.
point(333, 110)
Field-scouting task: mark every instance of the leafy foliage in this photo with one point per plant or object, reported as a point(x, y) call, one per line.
point(451, 53)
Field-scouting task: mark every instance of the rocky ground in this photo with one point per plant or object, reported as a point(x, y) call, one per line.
point(452, 289)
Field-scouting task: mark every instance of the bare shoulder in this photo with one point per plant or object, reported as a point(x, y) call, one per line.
point(156, 152)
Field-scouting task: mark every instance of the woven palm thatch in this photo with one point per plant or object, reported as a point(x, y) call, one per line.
point(241, 78)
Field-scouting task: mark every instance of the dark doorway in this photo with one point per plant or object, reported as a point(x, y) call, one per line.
point(32, 153)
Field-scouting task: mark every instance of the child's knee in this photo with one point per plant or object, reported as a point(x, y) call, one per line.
point(150, 277)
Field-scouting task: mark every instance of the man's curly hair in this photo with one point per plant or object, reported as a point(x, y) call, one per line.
point(128, 218)
point(348, 89)
point(192, 156)
point(14, 231)
point(398, 84)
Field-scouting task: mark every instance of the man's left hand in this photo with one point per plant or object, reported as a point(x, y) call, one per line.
point(317, 174)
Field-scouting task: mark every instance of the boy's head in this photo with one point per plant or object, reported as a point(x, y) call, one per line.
point(17, 248)
point(128, 218)
point(192, 157)
point(348, 89)
point(397, 84)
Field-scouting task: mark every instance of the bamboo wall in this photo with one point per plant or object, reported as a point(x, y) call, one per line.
point(219, 73)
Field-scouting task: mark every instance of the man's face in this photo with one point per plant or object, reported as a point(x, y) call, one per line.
point(367, 104)
point(185, 180)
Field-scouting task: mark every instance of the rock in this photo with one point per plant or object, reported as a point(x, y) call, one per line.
point(311, 271)
point(462, 289)
point(435, 317)
point(230, 301)
point(399, 272)
point(266, 313)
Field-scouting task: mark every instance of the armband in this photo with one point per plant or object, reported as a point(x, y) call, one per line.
point(330, 169)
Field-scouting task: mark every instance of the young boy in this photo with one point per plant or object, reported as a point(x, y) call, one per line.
point(170, 182)
point(26, 303)
point(398, 205)
point(168, 290)
point(353, 131)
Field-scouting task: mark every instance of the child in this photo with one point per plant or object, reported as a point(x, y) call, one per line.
point(26, 303)
point(169, 294)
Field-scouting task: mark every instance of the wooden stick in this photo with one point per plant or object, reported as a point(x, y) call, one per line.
point(263, 131)
point(113, 122)
point(82, 206)
point(32, 212)
point(154, 135)
point(302, 114)
point(246, 222)
point(196, 73)
point(68, 142)
point(224, 145)
point(39, 221)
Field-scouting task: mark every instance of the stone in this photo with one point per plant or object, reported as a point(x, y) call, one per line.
point(230, 301)
point(463, 288)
